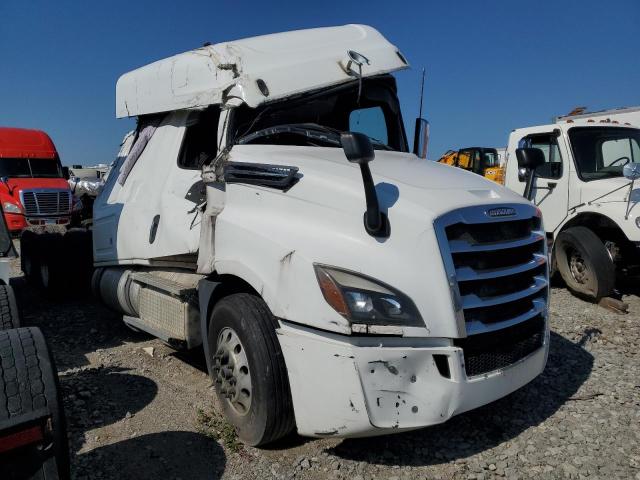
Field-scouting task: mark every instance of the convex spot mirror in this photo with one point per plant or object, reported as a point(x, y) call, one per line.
point(631, 171)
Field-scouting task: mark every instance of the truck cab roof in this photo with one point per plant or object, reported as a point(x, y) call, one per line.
point(256, 70)
point(25, 143)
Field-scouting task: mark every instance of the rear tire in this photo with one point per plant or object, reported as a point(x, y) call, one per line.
point(9, 313)
point(29, 388)
point(584, 263)
point(242, 340)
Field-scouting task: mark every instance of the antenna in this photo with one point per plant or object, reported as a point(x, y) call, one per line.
point(421, 92)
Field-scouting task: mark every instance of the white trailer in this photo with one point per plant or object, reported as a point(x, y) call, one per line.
point(333, 293)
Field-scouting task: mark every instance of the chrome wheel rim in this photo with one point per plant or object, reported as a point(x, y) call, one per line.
point(231, 371)
point(578, 267)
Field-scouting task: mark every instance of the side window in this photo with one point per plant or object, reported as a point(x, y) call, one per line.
point(618, 152)
point(371, 122)
point(549, 146)
point(200, 141)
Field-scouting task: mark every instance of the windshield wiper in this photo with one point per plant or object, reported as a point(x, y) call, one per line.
point(310, 130)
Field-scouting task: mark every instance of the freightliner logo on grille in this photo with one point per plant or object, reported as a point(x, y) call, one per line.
point(501, 212)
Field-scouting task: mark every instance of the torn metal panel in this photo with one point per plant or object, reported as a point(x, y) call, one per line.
point(254, 70)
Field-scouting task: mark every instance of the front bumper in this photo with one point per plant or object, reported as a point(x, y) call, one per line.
point(363, 386)
point(16, 222)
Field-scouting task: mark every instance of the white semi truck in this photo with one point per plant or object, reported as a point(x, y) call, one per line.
point(583, 181)
point(268, 207)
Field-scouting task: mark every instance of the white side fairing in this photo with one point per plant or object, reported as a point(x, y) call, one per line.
point(156, 186)
point(227, 73)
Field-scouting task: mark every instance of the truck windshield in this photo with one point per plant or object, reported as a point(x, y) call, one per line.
point(317, 118)
point(30, 168)
point(602, 152)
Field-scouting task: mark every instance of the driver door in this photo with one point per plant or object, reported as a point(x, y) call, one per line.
point(551, 187)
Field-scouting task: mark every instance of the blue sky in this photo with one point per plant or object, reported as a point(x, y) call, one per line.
point(491, 65)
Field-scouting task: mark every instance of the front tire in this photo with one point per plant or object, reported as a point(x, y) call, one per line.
point(584, 263)
point(249, 372)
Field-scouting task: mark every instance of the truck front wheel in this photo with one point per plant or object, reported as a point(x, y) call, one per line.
point(249, 372)
point(584, 263)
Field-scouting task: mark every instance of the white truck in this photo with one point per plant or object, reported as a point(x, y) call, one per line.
point(333, 293)
point(581, 174)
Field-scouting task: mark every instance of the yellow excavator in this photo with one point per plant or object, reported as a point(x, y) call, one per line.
point(480, 160)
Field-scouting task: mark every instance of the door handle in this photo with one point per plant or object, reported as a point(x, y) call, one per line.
point(154, 228)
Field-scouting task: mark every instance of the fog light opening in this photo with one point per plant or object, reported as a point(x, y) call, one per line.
point(442, 364)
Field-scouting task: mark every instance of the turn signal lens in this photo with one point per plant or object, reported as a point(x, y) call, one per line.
point(331, 292)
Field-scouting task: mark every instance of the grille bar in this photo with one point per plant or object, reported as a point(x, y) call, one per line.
point(467, 273)
point(462, 246)
point(475, 301)
point(475, 327)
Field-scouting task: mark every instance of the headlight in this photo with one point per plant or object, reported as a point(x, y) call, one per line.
point(11, 207)
point(363, 300)
point(638, 222)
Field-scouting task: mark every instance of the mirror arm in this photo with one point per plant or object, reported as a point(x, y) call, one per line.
point(373, 216)
point(528, 189)
point(626, 215)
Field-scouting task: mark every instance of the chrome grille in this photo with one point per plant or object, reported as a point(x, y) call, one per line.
point(497, 268)
point(46, 202)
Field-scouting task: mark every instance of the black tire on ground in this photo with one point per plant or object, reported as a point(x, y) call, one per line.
point(29, 259)
point(269, 416)
point(29, 389)
point(53, 271)
point(9, 313)
point(584, 263)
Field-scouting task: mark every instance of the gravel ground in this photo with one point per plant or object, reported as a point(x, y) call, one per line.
point(136, 410)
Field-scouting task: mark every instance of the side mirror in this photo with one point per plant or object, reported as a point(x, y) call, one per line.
point(421, 138)
point(65, 173)
point(358, 149)
point(631, 171)
point(528, 160)
point(5, 181)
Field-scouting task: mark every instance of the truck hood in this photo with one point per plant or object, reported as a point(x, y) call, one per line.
point(272, 239)
point(422, 189)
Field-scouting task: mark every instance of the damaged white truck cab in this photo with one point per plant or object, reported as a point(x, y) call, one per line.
point(584, 183)
point(333, 292)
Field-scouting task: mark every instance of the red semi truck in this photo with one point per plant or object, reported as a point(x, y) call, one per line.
point(33, 184)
